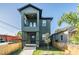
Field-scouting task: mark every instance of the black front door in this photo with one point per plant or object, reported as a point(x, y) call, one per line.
point(32, 37)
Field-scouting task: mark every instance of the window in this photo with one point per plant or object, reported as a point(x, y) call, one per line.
point(43, 36)
point(30, 24)
point(43, 22)
point(61, 37)
point(34, 24)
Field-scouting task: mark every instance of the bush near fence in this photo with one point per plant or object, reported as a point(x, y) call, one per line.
point(60, 45)
point(9, 48)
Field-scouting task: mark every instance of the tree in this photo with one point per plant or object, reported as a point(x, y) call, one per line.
point(47, 40)
point(69, 18)
point(19, 34)
point(72, 19)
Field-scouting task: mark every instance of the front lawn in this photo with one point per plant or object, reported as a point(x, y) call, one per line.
point(52, 51)
point(17, 52)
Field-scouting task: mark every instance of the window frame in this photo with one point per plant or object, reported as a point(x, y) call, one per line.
point(43, 23)
point(31, 24)
point(43, 36)
point(34, 24)
point(61, 37)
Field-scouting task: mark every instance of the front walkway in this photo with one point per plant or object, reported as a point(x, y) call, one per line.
point(27, 51)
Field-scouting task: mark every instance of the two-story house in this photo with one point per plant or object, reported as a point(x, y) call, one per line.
point(34, 26)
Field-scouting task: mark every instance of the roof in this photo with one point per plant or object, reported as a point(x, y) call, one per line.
point(10, 36)
point(30, 5)
point(59, 32)
point(71, 28)
point(49, 18)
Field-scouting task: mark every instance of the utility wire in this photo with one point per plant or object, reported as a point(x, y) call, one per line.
point(9, 25)
point(5, 29)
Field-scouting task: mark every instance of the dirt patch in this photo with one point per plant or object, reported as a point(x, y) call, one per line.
point(72, 50)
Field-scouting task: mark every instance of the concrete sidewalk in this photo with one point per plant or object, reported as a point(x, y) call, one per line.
point(27, 51)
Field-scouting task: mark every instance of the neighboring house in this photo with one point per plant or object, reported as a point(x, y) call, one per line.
point(9, 38)
point(34, 26)
point(63, 35)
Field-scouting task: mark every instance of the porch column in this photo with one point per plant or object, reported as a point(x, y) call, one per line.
point(37, 39)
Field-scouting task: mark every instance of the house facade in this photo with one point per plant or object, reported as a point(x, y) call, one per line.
point(61, 36)
point(34, 26)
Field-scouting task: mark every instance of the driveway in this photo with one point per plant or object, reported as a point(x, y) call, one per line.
point(27, 50)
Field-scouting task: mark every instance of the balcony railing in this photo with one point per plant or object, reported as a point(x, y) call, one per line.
point(32, 29)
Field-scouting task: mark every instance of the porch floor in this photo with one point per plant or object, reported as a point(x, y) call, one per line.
point(30, 45)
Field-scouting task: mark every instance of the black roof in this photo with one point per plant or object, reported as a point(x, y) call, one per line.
point(40, 13)
point(49, 18)
point(63, 30)
point(59, 32)
point(29, 5)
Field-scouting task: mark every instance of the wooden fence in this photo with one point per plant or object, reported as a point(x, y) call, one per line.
point(69, 49)
point(60, 45)
point(9, 48)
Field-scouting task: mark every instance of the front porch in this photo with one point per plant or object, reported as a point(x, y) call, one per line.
point(31, 39)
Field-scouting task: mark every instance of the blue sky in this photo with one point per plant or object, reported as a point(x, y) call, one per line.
point(9, 14)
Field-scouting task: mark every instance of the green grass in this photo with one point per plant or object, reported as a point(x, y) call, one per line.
point(16, 52)
point(52, 51)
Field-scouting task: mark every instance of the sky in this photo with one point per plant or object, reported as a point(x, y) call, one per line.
point(10, 15)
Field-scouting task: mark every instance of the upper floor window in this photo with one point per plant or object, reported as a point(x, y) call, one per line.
point(31, 24)
point(34, 24)
point(43, 22)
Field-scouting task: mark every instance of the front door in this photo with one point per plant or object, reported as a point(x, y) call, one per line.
point(32, 37)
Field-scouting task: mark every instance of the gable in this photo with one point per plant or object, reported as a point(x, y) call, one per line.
point(29, 10)
point(33, 9)
point(29, 6)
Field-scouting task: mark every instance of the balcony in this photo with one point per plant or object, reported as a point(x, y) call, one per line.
point(30, 23)
point(31, 26)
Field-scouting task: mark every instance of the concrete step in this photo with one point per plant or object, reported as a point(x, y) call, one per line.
point(30, 45)
point(29, 48)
